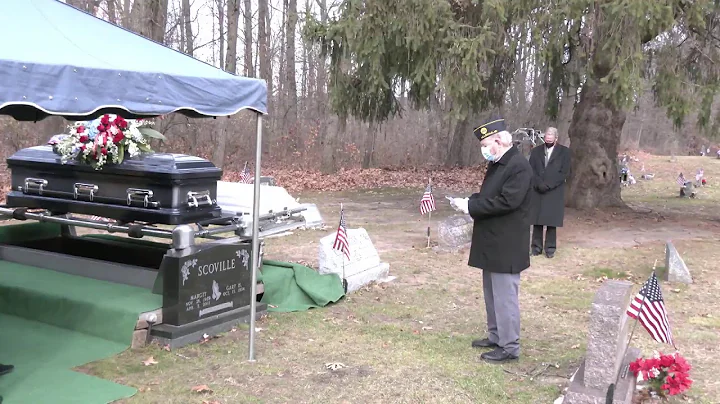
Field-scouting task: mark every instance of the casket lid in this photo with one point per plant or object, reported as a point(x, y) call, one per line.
point(175, 166)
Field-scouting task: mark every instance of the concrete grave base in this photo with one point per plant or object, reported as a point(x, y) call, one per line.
point(578, 393)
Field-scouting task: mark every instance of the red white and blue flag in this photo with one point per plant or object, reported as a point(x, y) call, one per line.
point(648, 308)
point(246, 177)
point(427, 203)
point(341, 238)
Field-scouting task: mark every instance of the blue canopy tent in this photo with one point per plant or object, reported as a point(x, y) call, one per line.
point(59, 61)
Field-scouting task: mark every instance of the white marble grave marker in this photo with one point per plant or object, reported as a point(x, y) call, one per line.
point(364, 265)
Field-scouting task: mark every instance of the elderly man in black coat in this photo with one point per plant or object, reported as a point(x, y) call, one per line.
point(501, 235)
point(551, 166)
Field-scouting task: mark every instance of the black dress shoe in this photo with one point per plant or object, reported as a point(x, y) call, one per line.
point(535, 253)
point(550, 255)
point(483, 343)
point(498, 355)
point(5, 369)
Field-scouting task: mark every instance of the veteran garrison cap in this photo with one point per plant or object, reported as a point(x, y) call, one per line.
point(488, 129)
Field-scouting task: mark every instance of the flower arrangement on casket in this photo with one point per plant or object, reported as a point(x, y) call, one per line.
point(105, 140)
point(664, 375)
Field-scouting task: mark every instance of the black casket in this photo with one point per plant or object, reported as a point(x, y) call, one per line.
point(160, 188)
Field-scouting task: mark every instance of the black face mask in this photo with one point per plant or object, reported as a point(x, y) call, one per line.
point(549, 145)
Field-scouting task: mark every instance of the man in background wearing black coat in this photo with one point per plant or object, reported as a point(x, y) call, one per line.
point(501, 235)
point(551, 166)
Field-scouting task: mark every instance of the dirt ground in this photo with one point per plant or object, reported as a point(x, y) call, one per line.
point(408, 341)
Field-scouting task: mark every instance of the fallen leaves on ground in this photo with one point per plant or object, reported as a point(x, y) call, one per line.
point(150, 361)
point(294, 180)
point(203, 388)
point(335, 365)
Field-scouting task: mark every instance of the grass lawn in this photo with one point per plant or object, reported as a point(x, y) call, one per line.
point(408, 341)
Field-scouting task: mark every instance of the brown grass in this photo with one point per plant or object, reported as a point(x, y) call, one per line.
point(409, 341)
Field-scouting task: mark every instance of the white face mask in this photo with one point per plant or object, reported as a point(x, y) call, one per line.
point(485, 150)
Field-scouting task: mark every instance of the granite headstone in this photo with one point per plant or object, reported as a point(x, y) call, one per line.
point(455, 232)
point(675, 268)
point(208, 283)
point(362, 267)
point(606, 360)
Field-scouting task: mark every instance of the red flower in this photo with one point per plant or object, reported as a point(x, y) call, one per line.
point(121, 123)
point(101, 128)
point(103, 151)
point(636, 366)
point(105, 119)
point(80, 129)
point(666, 361)
point(118, 137)
point(82, 147)
point(84, 138)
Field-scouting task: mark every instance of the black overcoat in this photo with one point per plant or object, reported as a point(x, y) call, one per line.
point(548, 204)
point(501, 228)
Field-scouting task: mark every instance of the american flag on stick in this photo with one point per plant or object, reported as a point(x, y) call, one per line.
point(681, 180)
point(245, 176)
point(649, 309)
point(341, 239)
point(427, 203)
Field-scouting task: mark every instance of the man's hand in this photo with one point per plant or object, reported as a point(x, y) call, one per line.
point(542, 187)
point(461, 204)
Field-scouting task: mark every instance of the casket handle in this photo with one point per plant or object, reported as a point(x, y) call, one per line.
point(38, 183)
point(136, 193)
point(194, 198)
point(90, 189)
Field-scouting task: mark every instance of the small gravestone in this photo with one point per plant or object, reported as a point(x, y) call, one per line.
point(313, 218)
point(675, 268)
point(268, 181)
point(606, 360)
point(455, 232)
point(364, 265)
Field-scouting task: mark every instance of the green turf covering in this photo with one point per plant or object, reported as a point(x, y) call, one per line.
point(294, 287)
point(51, 322)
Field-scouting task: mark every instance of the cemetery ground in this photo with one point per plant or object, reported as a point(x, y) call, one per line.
point(409, 340)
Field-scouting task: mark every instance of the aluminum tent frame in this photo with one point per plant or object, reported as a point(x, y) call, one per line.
point(65, 62)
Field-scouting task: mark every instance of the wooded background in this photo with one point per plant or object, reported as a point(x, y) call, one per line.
point(265, 38)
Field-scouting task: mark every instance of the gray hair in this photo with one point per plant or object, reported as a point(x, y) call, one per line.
point(505, 138)
point(551, 131)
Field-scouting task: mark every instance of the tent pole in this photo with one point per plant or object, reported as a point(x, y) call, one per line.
point(255, 238)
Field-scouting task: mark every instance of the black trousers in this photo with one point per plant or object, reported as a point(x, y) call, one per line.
point(550, 239)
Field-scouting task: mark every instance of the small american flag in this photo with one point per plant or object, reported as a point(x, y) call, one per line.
point(341, 239)
point(245, 177)
point(648, 308)
point(427, 203)
point(681, 180)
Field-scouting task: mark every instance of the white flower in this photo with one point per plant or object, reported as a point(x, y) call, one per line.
point(655, 372)
point(133, 150)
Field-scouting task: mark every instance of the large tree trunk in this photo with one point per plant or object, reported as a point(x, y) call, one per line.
point(595, 135)
point(455, 154)
point(247, 13)
point(233, 17)
point(187, 28)
point(265, 64)
point(290, 85)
